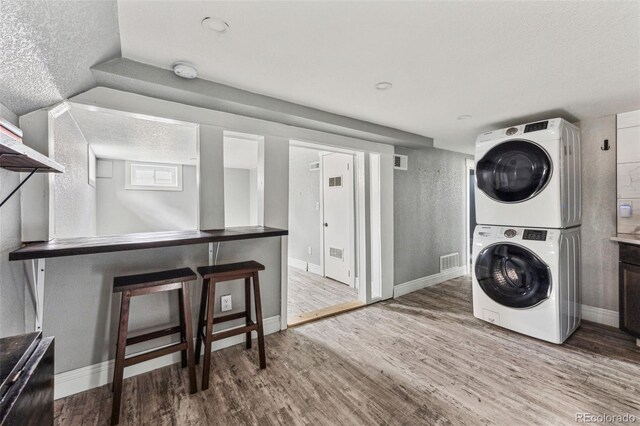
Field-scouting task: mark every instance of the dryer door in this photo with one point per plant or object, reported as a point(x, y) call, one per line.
point(514, 171)
point(513, 275)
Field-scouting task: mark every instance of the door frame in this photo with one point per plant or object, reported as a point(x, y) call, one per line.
point(360, 223)
point(352, 223)
point(469, 164)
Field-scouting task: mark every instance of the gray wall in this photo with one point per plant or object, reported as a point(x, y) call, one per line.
point(124, 211)
point(12, 277)
point(237, 196)
point(599, 254)
point(83, 284)
point(304, 193)
point(428, 211)
point(73, 194)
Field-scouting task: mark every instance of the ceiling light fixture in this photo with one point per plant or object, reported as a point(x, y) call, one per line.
point(216, 25)
point(383, 85)
point(185, 70)
point(464, 117)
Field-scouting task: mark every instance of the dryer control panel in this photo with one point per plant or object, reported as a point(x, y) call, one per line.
point(534, 234)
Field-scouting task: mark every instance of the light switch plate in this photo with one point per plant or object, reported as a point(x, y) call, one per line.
point(225, 303)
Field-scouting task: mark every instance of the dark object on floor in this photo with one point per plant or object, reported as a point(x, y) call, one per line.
point(26, 380)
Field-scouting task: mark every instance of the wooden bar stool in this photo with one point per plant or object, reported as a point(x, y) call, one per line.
point(211, 276)
point(138, 285)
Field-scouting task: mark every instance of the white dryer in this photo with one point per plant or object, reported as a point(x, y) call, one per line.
point(529, 175)
point(528, 280)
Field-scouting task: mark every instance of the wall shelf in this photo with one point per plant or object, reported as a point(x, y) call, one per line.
point(18, 157)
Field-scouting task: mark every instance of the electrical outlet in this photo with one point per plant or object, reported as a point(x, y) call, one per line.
point(309, 249)
point(225, 303)
point(318, 205)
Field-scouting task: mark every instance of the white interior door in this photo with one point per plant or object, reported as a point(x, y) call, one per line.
point(338, 217)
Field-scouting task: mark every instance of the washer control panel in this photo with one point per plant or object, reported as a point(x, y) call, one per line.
point(534, 127)
point(534, 234)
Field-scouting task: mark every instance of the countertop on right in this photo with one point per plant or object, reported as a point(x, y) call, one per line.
point(627, 238)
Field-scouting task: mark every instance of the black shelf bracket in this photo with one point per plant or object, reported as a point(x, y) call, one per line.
point(18, 187)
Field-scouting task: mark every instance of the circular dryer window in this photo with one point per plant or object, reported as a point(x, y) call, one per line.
point(513, 171)
point(513, 276)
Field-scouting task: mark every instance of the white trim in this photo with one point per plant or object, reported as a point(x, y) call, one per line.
point(428, 281)
point(314, 269)
point(100, 374)
point(469, 165)
point(600, 315)
point(284, 281)
point(297, 263)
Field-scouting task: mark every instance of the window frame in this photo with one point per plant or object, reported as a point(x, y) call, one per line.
point(129, 185)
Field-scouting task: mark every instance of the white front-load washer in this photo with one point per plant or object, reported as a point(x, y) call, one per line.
point(528, 280)
point(529, 175)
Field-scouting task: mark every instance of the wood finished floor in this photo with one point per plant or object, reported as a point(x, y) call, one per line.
point(309, 292)
point(419, 359)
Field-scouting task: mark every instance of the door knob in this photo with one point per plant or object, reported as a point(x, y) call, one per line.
point(326, 224)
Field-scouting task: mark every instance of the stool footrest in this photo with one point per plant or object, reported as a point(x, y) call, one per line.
point(234, 332)
point(136, 359)
point(230, 317)
point(153, 335)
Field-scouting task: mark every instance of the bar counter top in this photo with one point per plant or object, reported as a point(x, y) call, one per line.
point(104, 244)
point(627, 238)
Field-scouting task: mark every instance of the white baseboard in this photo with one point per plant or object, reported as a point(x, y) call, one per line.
point(92, 376)
point(297, 263)
point(315, 269)
point(424, 282)
point(600, 315)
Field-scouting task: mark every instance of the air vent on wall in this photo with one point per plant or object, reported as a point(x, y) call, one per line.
point(335, 253)
point(335, 181)
point(400, 162)
point(314, 166)
point(449, 261)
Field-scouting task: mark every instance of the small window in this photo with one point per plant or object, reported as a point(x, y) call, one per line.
point(335, 181)
point(152, 176)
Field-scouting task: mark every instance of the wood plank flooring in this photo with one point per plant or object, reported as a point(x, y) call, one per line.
point(419, 359)
point(310, 292)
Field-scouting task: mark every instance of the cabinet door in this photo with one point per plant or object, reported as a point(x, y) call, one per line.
point(630, 299)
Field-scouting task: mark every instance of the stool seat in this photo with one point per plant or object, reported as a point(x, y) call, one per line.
point(134, 282)
point(230, 268)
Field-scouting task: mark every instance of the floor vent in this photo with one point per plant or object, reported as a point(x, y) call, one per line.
point(449, 261)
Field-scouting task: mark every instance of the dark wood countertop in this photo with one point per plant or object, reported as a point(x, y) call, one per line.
point(89, 245)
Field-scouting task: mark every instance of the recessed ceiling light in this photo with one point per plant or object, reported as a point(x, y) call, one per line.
point(185, 70)
point(464, 117)
point(216, 25)
point(384, 85)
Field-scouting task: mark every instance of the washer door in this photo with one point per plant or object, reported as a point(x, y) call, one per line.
point(513, 276)
point(513, 171)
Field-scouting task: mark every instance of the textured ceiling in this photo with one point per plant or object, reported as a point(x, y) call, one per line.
point(48, 47)
point(500, 62)
point(121, 137)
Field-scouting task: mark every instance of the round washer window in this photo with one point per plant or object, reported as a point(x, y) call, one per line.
point(512, 275)
point(513, 171)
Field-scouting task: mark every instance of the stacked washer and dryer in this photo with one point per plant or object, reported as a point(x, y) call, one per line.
point(526, 247)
